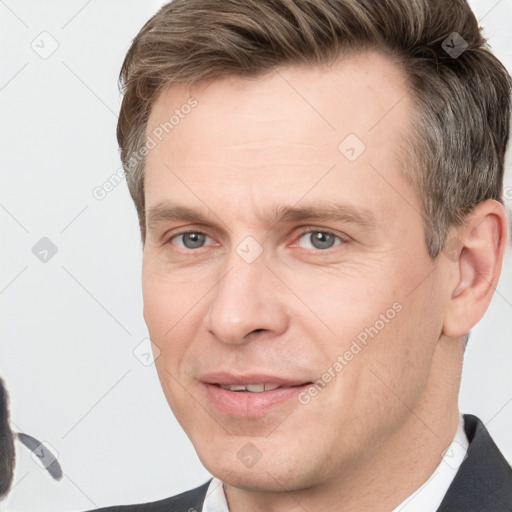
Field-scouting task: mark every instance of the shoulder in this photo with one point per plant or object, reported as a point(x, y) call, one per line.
point(189, 501)
point(484, 480)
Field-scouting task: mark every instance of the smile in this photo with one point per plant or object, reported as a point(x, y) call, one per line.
point(250, 396)
point(253, 388)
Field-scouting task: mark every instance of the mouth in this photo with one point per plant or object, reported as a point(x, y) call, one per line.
point(251, 396)
point(251, 388)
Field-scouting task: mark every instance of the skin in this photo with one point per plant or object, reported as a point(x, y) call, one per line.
point(379, 428)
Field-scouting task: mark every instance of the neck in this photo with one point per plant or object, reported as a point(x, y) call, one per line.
point(399, 466)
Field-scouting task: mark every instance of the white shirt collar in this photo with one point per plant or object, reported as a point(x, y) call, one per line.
point(430, 495)
point(425, 499)
point(215, 500)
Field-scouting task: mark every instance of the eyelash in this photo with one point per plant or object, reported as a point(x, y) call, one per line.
point(181, 233)
point(323, 231)
point(296, 238)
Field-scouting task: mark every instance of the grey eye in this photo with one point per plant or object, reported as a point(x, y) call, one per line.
point(318, 240)
point(191, 240)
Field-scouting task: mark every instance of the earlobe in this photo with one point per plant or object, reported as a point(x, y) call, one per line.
point(477, 259)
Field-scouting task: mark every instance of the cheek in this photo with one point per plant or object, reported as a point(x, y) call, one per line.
point(170, 329)
point(396, 361)
point(375, 326)
point(166, 302)
point(168, 316)
point(338, 308)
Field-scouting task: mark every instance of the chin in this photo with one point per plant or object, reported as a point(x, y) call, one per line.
point(265, 479)
point(275, 471)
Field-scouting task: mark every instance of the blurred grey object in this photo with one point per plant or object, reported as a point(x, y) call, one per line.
point(6, 443)
point(7, 452)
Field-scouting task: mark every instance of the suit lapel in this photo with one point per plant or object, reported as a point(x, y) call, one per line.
point(484, 480)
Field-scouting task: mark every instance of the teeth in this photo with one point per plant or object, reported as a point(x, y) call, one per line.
point(235, 387)
point(253, 388)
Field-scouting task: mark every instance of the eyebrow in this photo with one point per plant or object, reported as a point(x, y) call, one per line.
point(168, 212)
point(326, 212)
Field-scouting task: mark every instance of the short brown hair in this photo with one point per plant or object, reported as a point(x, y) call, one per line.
point(462, 102)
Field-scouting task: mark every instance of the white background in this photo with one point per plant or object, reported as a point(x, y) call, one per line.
point(70, 325)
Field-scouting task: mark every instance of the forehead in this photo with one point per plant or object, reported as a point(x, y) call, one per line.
point(355, 92)
point(268, 136)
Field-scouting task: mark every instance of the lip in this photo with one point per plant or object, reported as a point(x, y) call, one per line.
point(225, 378)
point(246, 403)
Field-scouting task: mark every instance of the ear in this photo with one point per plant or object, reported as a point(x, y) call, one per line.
point(475, 251)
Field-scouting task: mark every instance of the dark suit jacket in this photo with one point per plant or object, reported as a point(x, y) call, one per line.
point(482, 484)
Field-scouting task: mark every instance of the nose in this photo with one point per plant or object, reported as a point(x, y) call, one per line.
point(246, 303)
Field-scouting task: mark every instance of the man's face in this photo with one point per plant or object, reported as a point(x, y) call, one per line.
point(304, 262)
